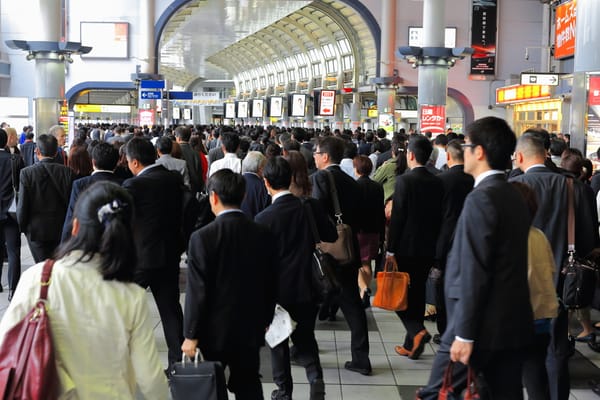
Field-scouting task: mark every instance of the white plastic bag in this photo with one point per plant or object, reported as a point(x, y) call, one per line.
point(281, 327)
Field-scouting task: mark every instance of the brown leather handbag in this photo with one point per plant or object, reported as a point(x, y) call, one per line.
point(342, 250)
point(392, 288)
point(27, 364)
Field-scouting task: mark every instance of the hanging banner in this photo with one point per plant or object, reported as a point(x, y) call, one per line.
point(592, 126)
point(594, 91)
point(564, 24)
point(483, 37)
point(433, 119)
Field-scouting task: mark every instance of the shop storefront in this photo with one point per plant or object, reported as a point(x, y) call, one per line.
point(530, 106)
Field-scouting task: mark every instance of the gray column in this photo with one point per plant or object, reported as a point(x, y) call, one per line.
point(338, 118)
point(146, 53)
point(386, 91)
point(587, 59)
point(433, 76)
point(355, 112)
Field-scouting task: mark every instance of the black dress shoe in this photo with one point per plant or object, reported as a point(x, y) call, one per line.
point(586, 339)
point(279, 394)
point(437, 339)
point(350, 366)
point(10, 294)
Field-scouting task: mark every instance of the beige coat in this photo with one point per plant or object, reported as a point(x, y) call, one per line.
point(102, 332)
point(540, 273)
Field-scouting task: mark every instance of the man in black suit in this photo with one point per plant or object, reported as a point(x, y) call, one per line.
point(542, 135)
point(230, 295)
point(43, 199)
point(490, 321)
point(256, 198)
point(551, 218)
point(192, 159)
point(414, 228)
point(10, 167)
point(289, 222)
point(157, 196)
point(328, 154)
point(457, 185)
point(104, 162)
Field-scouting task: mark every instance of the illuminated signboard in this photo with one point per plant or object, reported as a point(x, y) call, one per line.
point(229, 110)
point(327, 102)
point(276, 107)
point(433, 119)
point(242, 109)
point(107, 39)
point(257, 108)
point(564, 26)
point(101, 108)
point(298, 105)
point(517, 93)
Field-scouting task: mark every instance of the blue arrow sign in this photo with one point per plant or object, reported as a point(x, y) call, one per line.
point(149, 95)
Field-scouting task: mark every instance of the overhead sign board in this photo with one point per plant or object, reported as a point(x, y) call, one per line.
point(564, 25)
point(327, 102)
point(180, 95)
point(415, 36)
point(150, 95)
point(519, 93)
point(152, 84)
point(540, 79)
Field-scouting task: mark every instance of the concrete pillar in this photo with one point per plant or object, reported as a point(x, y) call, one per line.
point(147, 54)
point(433, 77)
point(355, 112)
point(386, 93)
point(587, 59)
point(338, 117)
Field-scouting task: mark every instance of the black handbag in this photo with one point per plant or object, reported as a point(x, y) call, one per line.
point(197, 379)
point(323, 264)
point(580, 274)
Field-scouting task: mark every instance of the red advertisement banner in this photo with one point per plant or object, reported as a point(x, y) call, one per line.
point(433, 119)
point(566, 16)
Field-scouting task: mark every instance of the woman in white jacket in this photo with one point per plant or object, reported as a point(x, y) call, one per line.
point(99, 318)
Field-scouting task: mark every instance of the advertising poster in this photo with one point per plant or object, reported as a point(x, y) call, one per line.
point(564, 29)
point(433, 119)
point(230, 110)
point(257, 108)
point(386, 122)
point(483, 37)
point(242, 111)
point(187, 113)
point(593, 120)
point(276, 107)
point(298, 105)
point(327, 102)
point(176, 113)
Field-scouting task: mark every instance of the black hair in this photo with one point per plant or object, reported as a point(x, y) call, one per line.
point(48, 145)
point(231, 141)
point(332, 146)
point(3, 138)
point(441, 140)
point(142, 150)
point(496, 138)
point(104, 211)
point(421, 147)
point(229, 186)
point(184, 133)
point(291, 144)
point(105, 156)
point(278, 173)
point(29, 136)
point(164, 144)
point(350, 150)
point(299, 134)
point(542, 134)
point(557, 146)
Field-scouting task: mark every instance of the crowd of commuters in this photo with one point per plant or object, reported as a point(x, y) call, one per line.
point(486, 210)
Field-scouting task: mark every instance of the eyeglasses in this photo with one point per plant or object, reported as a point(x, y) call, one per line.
point(318, 152)
point(471, 145)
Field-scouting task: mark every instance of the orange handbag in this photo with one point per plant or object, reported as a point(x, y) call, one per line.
point(392, 288)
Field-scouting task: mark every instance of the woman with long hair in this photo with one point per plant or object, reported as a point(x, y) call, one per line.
point(102, 333)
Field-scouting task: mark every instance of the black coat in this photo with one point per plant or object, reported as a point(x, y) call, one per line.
point(6, 179)
point(257, 198)
point(230, 295)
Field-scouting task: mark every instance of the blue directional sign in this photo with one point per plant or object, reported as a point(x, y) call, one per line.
point(180, 95)
point(152, 84)
point(149, 95)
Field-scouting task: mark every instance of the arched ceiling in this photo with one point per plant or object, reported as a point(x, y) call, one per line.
point(218, 39)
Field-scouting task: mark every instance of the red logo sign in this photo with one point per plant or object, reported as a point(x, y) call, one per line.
point(594, 93)
point(433, 119)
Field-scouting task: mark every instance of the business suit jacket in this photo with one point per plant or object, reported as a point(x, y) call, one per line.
point(28, 153)
point(230, 295)
point(372, 209)
point(349, 197)
point(157, 232)
point(79, 185)
point(174, 164)
point(486, 287)
point(416, 214)
point(194, 167)
point(457, 185)
point(257, 198)
point(42, 205)
point(6, 179)
point(288, 221)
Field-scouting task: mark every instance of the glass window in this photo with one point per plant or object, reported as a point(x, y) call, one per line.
point(291, 75)
point(301, 58)
point(344, 46)
point(289, 62)
point(331, 66)
point(328, 50)
point(348, 62)
point(263, 82)
point(254, 83)
point(315, 55)
point(271, 79)
point(303, 72)
point(317, 70)
point(281, 77)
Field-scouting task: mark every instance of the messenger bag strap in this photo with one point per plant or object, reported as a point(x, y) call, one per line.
point(56, 186)
point(45, 281)
point(570, 217)
point(334, 198)
point(311, 220)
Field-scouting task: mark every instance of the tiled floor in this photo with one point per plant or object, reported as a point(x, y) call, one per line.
point(394, 377)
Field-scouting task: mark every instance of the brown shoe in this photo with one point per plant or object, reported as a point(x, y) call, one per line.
point(402, 351)
point(419, 342)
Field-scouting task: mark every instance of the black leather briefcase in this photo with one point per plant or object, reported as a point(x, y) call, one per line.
point(197, 379)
